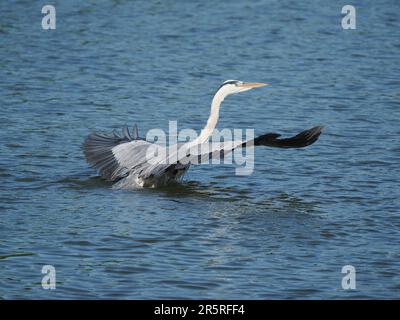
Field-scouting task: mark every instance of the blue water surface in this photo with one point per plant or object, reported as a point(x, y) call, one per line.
point(283, 232)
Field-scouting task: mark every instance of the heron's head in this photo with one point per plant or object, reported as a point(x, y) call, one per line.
point(236, 86)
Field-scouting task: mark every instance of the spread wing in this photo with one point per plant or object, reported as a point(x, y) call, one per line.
point(115, 154)
point(206, 152)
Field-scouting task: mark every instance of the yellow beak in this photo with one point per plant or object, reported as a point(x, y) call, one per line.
point(253, 84)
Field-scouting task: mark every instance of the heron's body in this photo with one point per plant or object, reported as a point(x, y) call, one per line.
point(124, 158)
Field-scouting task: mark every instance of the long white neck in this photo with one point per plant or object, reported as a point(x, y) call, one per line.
point(212, 120)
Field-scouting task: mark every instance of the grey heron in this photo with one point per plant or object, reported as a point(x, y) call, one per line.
point(124, 158)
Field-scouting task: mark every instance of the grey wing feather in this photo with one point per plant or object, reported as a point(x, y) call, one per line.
point(135, 132)
point(99, 151)
point(195, 155)
point(118, 155)
point(157, 167)
point(204, 153)
point(301, 140)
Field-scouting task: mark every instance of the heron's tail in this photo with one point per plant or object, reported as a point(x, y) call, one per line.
point(303, 139)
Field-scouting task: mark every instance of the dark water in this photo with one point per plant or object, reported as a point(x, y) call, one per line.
point(283, 232)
